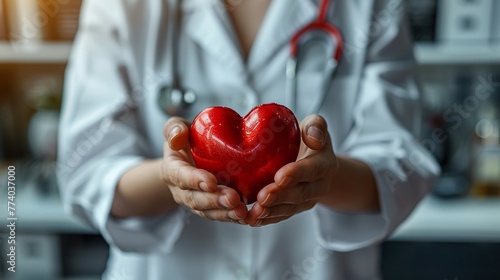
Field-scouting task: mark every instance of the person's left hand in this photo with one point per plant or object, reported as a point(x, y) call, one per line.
point(299, 185)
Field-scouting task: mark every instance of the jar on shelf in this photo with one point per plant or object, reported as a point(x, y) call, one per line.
point(485, 165)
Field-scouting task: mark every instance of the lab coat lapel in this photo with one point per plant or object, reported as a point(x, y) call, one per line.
point(205, 27)
point(283, 19)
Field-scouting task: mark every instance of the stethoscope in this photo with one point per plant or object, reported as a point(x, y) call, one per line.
point(174, 99)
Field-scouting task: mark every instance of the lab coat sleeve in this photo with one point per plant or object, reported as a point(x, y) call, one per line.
point(101, 135)
point(386, 118)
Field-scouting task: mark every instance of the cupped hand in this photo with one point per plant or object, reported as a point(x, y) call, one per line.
point(195, 188)
point(299, 185)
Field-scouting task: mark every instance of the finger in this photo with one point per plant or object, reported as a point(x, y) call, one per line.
point(300, 193)
point(259, 212)
point(198, 200)
point(218, 215)
point(187, 177)
point(309, 169)
point(314, 132)
point(265, 222)
point(183, 154)
point(226, 198)
point(176, 133)
point(284, 210)
point(236, 213)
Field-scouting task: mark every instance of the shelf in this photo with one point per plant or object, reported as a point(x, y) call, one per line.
point(42, 214)
point(425, 53)
point(455, 220)
point(439, 54)
point(57, 52)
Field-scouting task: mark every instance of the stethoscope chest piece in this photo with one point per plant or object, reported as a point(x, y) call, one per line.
point(175, 101)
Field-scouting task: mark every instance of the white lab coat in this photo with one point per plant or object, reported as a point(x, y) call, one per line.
point(111, 122)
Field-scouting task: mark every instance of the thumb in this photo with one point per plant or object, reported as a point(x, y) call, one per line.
point(176, 133)
point(314, 132)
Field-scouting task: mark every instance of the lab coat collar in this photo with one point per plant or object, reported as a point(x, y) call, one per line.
point(195, 5)
point(282, 20)
point(205, 27)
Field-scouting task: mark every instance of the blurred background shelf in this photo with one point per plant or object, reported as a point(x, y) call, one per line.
point(425, 53)
point(43, 214)
point(435, 54)
point(465, 219)
point(53, 52)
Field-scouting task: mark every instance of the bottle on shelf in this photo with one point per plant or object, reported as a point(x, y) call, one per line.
point(422, 16)
point(36, 21)
point(3, 23)
point(485, 166)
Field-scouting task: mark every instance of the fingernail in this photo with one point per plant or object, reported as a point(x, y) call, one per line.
point(174, 132)
point(285, 181)
point(316, 133)
point(204, 186)
point(224, 201)
point(270, 198)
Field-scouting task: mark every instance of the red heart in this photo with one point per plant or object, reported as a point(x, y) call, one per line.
point(245, 153)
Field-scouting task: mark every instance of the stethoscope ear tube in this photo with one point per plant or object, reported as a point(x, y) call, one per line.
point(319, 30)
point(291, 85)
point(302, 50)
point(331, 70)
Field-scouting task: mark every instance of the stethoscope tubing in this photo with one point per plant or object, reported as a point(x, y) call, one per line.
point(322, 25)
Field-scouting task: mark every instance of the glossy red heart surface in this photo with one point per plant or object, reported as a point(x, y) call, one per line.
point(245, 153)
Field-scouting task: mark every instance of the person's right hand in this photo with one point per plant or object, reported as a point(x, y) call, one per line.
point(195, 188)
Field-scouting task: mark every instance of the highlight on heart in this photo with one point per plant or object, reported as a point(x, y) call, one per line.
point(244, 153)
